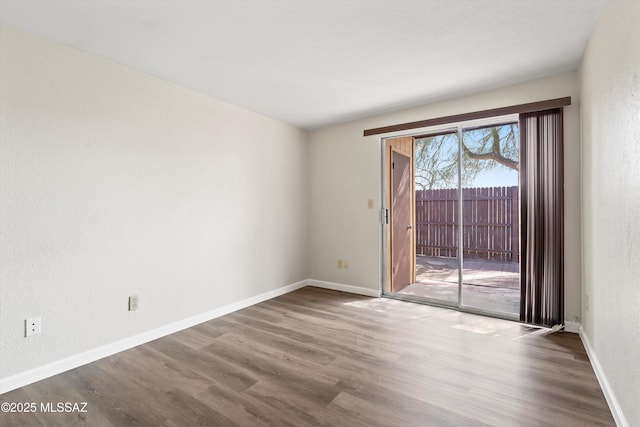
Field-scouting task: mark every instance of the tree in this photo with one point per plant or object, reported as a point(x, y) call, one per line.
point(483, 149)
point(436, 160)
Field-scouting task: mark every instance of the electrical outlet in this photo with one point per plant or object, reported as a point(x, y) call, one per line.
point(32, 326)
point(133, 302)
point(339, 264)
point(370, 203)
point(345, 264)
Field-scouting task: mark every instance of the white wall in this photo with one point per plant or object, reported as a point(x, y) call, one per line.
point(610, 85)
point(115, 183)
point(345, 172)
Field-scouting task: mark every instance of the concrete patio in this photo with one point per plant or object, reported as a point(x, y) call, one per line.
point(489, 285)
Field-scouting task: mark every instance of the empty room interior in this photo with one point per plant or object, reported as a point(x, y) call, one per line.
point(322, 213)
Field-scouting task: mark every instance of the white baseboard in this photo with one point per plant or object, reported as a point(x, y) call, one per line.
point(344, 288)
point(573, 327)
point(59, 366)
point(609, 395)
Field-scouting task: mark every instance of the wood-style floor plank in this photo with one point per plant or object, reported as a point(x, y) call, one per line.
point(316, 357)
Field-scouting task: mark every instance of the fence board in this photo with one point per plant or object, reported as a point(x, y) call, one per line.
point(490, 223)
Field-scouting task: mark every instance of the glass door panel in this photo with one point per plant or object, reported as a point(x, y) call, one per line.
point(436, 219)
point(490, 218)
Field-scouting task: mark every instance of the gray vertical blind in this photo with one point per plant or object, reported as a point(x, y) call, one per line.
point(541, 175)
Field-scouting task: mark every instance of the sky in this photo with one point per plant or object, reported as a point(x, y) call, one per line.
point(502, 177)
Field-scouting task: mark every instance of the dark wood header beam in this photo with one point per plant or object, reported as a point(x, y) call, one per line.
point(502, 111)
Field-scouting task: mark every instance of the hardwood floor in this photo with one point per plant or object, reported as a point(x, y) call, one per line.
point(317, 357)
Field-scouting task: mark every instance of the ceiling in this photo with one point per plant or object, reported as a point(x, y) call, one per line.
point(313, 63)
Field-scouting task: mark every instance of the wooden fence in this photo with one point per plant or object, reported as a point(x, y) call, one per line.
point(490, 223)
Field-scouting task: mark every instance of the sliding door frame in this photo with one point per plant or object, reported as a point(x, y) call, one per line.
point(385, 219)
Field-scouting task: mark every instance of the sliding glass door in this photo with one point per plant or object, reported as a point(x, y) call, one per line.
point(466, 221)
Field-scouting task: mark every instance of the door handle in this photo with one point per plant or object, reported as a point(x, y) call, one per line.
point(409, 227)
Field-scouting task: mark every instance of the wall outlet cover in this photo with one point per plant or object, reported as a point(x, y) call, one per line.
point(32, 326)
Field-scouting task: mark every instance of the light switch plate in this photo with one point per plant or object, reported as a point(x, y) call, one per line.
point(133, 302)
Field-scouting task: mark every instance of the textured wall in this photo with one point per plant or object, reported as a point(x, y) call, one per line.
point(610, 84)
point(346, 170)
point(115, 183)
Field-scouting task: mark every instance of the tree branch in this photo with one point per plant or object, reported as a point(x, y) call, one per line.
point(493, 155)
